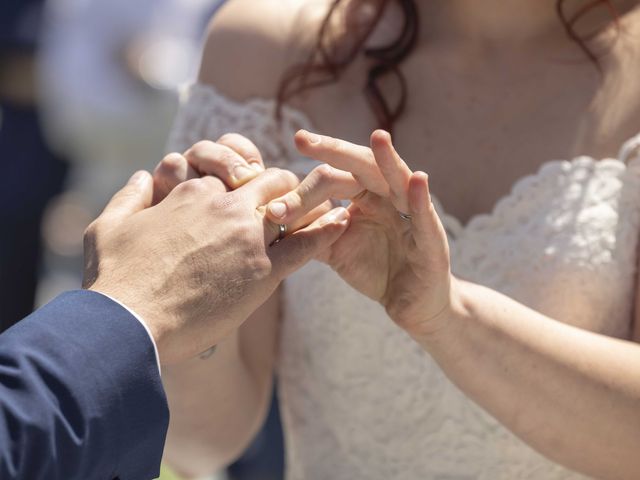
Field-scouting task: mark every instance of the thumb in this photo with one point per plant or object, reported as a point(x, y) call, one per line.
point(136, 195)
point(295, 250)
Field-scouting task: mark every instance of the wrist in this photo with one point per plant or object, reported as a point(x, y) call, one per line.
point(136, 308)
point(438, 327)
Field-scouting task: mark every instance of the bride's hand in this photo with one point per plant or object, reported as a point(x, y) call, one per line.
point(233, 159)
point(402, 263)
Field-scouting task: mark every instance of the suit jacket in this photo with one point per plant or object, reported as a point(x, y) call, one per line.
point(80, 394)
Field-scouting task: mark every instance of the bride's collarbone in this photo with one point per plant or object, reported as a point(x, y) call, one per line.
point(475, 152)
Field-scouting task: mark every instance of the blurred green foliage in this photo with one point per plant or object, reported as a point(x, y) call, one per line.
point(166, 474)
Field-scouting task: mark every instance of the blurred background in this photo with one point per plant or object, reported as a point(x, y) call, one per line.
point(88, 91)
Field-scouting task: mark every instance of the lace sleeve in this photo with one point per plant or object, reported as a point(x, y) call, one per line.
point(206, 114)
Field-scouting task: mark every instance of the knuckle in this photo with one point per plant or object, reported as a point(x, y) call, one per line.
point(257, 268)
point(324, 174)
point(232, 137)
point(244, 233)
point(172, 161)
point(227, 156)
point(330, 142)
point(319, 180)
point(242, 145)
point(215, 157)
point(300, 196)
point(194, 186)
point(170, 166)
point(290, 178)
point(91, 232)
point(201, 149)
point(210, 155)
point(231, 203)
point(213, 184)
point(260, 265)
point(253, 160)
point(335, 145)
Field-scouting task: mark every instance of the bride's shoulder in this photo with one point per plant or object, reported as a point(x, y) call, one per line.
point(250, 43)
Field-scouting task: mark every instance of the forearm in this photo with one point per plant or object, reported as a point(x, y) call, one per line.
point(218, 403)
point(571, 394)
point(216, 407)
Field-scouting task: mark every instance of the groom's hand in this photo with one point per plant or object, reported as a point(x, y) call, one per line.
point(197, 264)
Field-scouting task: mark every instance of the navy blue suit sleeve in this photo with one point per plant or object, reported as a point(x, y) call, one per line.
point(80, 394)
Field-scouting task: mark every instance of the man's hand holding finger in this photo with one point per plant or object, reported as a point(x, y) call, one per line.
point(198, 263)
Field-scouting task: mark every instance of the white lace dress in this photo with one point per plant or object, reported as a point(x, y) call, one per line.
point(360, 399)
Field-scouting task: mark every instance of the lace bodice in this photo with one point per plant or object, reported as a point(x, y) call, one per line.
point(360, 399)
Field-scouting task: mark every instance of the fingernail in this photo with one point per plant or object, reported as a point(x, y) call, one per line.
point(137, 178)
point(278, 209)
point(256, 166)
point(312, 138)
point(240, 172)
point(381, 138)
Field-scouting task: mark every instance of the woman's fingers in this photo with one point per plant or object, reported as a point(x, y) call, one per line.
point(210, 158)
point(393, 168)
point(310, 217)
point(345, 156)
point(427, 230)
point(270, 184)
point(322, 184)
point(245, 148)
point(272, 228)
point(378, 169)
point(170, 172)
point(298, 248)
